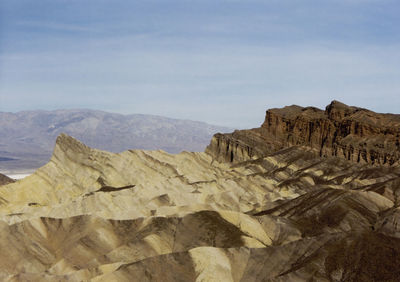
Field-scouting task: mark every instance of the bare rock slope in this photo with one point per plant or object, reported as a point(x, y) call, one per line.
point(94, 215)
point(4, 179)
point(91, 215)
point(352, 133)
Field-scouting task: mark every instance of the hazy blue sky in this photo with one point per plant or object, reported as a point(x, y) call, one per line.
point(223, 62)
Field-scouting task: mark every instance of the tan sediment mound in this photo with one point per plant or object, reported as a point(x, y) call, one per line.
point(91, 215)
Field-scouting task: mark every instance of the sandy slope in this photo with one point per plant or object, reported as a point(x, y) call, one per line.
point(153, 216)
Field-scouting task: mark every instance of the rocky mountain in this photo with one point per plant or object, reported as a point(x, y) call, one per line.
point(352, 133)
point(27, 138)
point(291, 215)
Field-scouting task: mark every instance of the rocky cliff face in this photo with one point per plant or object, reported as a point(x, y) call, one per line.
point(265, 210)
point(351, 133)
point(91, 215)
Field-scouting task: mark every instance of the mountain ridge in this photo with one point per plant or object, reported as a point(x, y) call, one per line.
point(27, 137)
point(291, 215)
point(166, 217)
point(354, 133)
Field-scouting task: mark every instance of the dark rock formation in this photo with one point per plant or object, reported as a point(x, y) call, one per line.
point(91, 215)
point(4, 179)
point(352, 133)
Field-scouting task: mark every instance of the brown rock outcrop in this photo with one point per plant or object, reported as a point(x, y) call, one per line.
point(4, 179)
point(352, 133)
point(91, 215)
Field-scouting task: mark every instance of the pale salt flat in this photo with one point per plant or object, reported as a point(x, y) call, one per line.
point(18, 176)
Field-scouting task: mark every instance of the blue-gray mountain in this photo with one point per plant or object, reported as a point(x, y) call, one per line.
point(27, 138)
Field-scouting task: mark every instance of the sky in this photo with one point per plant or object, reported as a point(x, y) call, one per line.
point(224, 62)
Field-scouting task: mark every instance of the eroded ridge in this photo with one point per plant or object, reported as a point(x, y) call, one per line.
point(91, 215)
point(348, 132)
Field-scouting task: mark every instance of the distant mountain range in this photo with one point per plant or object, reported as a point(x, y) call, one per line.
point(27, 138)
point(311, 195)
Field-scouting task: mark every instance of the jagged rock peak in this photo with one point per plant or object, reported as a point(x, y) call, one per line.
point(334, 108)
point(337, 110)
point(349, 132)
point(338, 104)
point(152, 216)
point(68, 150)
point(67, 143)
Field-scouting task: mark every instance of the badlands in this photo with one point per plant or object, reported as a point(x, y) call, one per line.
point(311, 195)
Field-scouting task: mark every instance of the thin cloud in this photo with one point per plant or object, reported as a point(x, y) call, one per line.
point(203, 60)
point(195, 84)
point(56, 26)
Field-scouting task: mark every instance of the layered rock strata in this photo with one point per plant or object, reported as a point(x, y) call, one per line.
point(351, 133)
point(91, 215)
